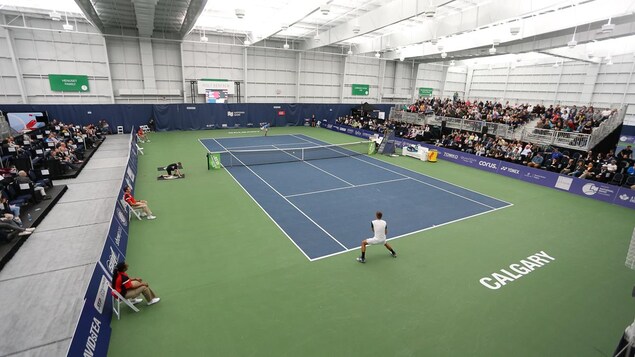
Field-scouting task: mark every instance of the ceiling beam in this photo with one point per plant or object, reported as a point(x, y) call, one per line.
point(624, 26)
point(144, 13)
point(194, 10)
point(91, 14)
point(304, 8)
point(401, 10)
point(533, 29)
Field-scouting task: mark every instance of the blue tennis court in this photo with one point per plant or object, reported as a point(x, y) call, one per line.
point(325, 206)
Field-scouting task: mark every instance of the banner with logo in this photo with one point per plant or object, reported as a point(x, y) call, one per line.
point(213, 161)
point(68, 83)
point(92, 332)
point(591, 189)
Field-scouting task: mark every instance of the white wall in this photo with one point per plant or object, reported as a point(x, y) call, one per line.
point(43, 52)
point(431, 75)
point(116, 72)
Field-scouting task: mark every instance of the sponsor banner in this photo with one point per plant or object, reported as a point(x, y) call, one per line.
point(118, 234)
point(92, 332)
point(625, 197)
point(110, 256)
point(68, 83)
point(121, 213)
point(360, 89)
point(592, 189)
point(586, 188)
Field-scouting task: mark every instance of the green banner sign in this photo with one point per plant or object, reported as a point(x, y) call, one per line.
point(425, 92)
point(68, 83)
point(360, 89)
point(213, 161)
point(372, 148)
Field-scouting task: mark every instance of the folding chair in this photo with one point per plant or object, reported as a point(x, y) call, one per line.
point(136, 211)
point(116, 302)
point(145, 128)
point(119, 129)
point(140, 149)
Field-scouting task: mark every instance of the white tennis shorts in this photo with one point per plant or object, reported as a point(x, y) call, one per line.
point(375, 241)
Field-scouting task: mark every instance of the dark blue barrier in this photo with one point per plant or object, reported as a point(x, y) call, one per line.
point(92, 332)
point(591, 189)
point(191, 116)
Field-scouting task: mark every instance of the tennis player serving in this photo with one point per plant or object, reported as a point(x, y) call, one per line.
point(380, 228)
point(264, 127)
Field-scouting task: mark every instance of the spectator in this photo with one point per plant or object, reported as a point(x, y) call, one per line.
point(536, 161)
point(9, 231)
point(23, 178)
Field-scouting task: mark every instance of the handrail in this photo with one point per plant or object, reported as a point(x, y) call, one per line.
point(565, 139)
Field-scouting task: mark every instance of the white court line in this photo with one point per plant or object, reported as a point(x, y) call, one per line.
point(414, 232)
point(434, 178)
point(310, 164)
point(265, 211)
point(423, 182)
point(294, 206)
point(346, 188)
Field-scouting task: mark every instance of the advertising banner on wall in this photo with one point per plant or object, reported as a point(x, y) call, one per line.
point(425, 92)
point(360, 89)
point(209, 84)
point(68, 83)
point(92, 333)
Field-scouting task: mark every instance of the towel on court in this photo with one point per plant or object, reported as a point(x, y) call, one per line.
point(174, 177)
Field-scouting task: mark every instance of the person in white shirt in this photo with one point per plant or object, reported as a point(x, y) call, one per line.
point(380, 228)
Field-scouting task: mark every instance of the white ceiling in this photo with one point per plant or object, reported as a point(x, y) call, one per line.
point(395, 28)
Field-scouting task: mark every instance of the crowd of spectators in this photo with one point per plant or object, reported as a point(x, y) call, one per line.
point(29, 160)
point(564, 118)
point(602, 167)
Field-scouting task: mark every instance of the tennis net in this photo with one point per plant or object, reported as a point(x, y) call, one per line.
point(231, 158)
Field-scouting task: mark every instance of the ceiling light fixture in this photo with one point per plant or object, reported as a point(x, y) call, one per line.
point(607, 27)
point(573, 42)
point(444, 55)
point(240, 13)
point(402, 58)
point(609, 61)
point(325, 9)
point(434, 41)
point(377, 54)
point(492, 51)
point(246, 42)
point(55, 16)
point(429, 11)
point(556, 65)
point(316, 38)
point(452, 63)
point(350, 50)
point(203, 37)
point(514, 30)
point(496, 42)
point(67, 26)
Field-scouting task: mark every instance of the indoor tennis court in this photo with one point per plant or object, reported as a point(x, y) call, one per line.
point(322, 195)
point(232, 283)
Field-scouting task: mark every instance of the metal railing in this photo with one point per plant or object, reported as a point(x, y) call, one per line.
point(571, 140)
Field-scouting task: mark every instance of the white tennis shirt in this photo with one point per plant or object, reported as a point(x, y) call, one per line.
point(379, 226)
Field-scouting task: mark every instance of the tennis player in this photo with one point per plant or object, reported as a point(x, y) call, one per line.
point(265, 128)
point(380, 228)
